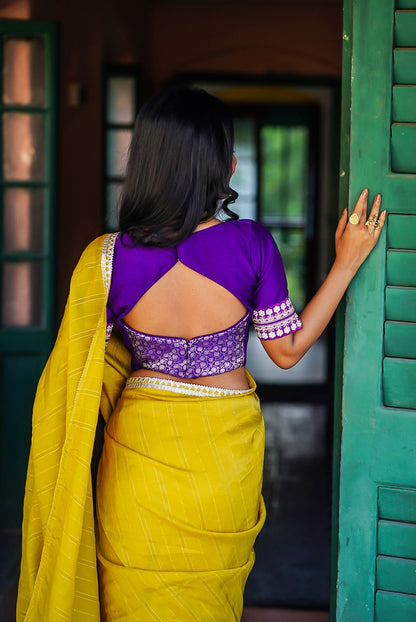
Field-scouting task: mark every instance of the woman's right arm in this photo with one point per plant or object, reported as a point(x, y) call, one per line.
point(353, 244)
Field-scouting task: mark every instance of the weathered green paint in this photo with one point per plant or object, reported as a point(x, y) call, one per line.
point(404, 103)
point(400, 339)
point(401, 267)
point(405, 29)
point(393, 607)
point(399, 383)
point(405, 4)
point(401, 304)
point(396, 575)
point(378, 450)
point(397, 504)
point(404, 66)
point(396, 539)
point(403, 139)
point(401, 232)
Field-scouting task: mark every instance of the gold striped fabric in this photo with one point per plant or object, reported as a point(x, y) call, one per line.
point(179, 505)
point(178, 492)
point(58, 578)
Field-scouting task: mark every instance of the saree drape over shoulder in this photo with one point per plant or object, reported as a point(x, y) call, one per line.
point(58, 579)
point(178, 493)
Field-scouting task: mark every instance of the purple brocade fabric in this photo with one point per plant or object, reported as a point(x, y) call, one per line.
point(204, 355)
point(239, 255)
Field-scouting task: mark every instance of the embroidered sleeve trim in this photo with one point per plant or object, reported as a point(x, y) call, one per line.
point(277, 321)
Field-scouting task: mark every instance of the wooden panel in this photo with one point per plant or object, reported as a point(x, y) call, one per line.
point(397, 504)
point(405, 4)
point(401, 268)
point(400, 339)
point(396, 575)
point(399, 383)
point(404, 66)
point(404, 103)
point(401, 304)
point(403, 141)
point(405, 29)
point(397, 539)
point(401, 231)
point(394, 607)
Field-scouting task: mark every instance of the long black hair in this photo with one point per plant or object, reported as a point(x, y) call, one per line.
point(179, 167)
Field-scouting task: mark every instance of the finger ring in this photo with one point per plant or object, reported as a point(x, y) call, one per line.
point(372, 222)
point(354, 218)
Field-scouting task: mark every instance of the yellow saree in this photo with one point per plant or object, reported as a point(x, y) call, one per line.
point(178, 493)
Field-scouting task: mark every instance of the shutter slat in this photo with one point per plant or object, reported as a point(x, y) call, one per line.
point(400, 340)
point(399, 383)
point(404, 103)
point(397, 504)
point(404, 66)
point(396, 575)
point(396, 539)
point(401, 304)
point(394, 607)
point(405, 4)
point(403, 141)
point(405, 28)
point(401, 268)
point(401, 231)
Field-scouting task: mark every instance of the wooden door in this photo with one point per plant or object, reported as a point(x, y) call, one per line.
point(377, 519)
point(27, 216)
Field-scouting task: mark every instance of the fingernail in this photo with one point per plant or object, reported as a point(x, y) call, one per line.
point(364, 192)
point(378, 197)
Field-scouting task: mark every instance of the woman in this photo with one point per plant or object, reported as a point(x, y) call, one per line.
point(178, 496)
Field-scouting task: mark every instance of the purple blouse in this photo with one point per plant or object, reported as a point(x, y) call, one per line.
point(239, 255)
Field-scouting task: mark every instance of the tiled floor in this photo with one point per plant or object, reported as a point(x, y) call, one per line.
point(253, 614)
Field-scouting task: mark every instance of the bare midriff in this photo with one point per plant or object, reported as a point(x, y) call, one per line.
point(235, 379)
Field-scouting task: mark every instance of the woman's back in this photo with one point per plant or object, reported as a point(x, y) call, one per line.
point(208, 285)
point(184, 303)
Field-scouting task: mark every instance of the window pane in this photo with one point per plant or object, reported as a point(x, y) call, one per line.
point(244, 180)
point(23, 71)
point(284, 174)
point(23, 219)
point(112, 203)
point(121, 100)
point(292, 245)
point(23, 149)
point(22, 294)
point(118, 142)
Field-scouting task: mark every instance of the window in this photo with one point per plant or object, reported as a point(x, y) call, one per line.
point(121, 105)
point(274, 179)
point(27, 231)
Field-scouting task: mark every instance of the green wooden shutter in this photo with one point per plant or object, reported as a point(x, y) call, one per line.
point(27, 255)
point(377, 555)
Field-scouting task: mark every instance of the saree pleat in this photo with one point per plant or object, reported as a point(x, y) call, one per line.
point(179, 505)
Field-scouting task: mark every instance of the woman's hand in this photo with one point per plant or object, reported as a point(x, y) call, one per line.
point(354, 242)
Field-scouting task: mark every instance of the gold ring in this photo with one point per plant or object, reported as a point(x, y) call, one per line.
point(372, 221)
point(354, 218)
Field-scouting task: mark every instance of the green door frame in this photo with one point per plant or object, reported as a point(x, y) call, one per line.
point(374, 516)
point(24, 350)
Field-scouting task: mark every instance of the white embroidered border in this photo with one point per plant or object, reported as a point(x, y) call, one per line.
point(276, 321)
point(186, 388)
point(107, 254)
point(107, 259)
